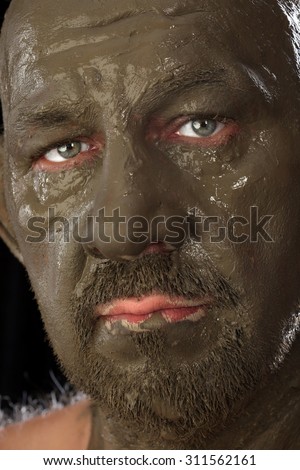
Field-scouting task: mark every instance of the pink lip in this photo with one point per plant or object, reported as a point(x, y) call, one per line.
point(134, 310)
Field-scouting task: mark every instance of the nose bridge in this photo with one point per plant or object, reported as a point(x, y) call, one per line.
point(122, 182)
point(130, 193)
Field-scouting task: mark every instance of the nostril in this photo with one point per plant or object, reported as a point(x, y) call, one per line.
point(93, 251)
point(152, 248)
point(157, 247)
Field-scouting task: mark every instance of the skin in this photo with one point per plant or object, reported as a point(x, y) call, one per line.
point(124, 79)
point(51, 431)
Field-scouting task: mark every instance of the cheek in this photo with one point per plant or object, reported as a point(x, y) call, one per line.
point(265, 265)
point(43, 212)
point(45, 207)
point(270, 267)
point(54, 270)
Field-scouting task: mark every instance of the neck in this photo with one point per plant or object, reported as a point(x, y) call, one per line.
point(268, 420)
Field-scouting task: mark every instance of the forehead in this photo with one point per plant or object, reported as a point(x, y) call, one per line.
point(49, 23)
point(55, 38)
point(50, 16)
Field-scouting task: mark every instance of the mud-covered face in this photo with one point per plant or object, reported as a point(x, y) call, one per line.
point(171, 109)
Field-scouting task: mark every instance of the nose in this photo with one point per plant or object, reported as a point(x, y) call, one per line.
point(136, 203)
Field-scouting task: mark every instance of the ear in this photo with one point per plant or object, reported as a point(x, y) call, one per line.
point(6, 229)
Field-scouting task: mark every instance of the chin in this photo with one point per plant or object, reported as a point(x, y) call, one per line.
point(187, 401)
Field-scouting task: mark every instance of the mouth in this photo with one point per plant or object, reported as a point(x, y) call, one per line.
point(151, 312)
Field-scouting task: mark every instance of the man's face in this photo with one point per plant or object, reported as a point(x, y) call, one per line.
point(163, 109)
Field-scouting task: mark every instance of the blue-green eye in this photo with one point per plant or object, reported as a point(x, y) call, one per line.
point(200, 128)
point(66, 151)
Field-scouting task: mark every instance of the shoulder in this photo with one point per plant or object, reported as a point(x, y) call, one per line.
point(68, 428)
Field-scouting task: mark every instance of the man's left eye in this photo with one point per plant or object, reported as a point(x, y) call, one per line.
point(200, 128)
point(66, 152)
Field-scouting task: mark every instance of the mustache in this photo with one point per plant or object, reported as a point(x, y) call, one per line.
point(174, 274)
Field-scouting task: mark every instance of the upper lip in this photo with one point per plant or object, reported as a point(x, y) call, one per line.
point(147, 305)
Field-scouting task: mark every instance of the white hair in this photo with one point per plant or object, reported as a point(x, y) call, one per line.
point(291, 9)
point(31, 407)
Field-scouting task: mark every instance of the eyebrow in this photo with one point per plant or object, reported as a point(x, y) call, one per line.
point(53, 115)
point(57, 113)
point(181, 79)
point(231, 79)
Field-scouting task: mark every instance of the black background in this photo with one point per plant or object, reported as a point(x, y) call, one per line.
point(26, 360)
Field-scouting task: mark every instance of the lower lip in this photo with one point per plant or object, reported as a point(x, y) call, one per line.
point(149, 313)
point(171, 315)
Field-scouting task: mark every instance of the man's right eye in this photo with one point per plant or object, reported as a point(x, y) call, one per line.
point(67, 151)
point(69, 154)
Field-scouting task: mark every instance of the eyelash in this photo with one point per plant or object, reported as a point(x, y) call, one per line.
point(158, 131)
point(161, 131)
point(170, 132)
point(38, 161)
point(37, 154)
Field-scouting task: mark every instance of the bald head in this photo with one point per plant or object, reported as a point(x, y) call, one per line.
point(27, 40)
